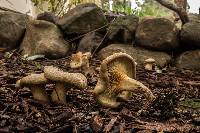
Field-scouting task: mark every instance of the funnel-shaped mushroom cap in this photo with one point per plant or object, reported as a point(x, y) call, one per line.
point(120, 62)
point(33, 79)
point(116, 75)
point(55, 74)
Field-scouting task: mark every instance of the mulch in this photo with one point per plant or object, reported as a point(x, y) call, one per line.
point(19, 112)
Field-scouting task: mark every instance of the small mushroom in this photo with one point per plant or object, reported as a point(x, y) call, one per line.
point(80, 60)
point(149, 64)
point(62, 79)
point(36, 83)
point(116, 76)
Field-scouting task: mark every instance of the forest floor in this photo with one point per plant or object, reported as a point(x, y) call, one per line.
point(19, 112)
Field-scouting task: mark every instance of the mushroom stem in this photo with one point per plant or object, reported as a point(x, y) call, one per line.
point(99, 87)
point(108, 101)
point(149, 67)
point(58, 94)
point(129, 84)
point(39, 93)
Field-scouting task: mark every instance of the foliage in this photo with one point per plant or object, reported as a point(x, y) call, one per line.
point(152, 8)
point(149, 8)
point(58, 7)
point(122, 7)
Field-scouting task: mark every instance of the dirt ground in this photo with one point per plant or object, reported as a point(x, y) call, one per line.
point(20, 113)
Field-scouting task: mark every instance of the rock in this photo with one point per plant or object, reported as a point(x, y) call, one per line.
point(89, 42)
point(189, 60)
point(110, 16)
point(44, 38)
point(194, 17)
point(138, 53)
point(157, 34)
point(82, 19)
point(12, 28)
point(47, 16)
point(190, 34)
point(122, 29)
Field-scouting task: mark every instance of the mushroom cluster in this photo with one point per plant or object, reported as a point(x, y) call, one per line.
point(116, 81)
point(62, 80)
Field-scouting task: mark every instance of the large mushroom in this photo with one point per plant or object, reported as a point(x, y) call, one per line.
point(116, 77)
point(36, 83)
point(62, 80)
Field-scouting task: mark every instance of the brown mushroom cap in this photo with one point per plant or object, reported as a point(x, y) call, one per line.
point(36, 83)
point(55, 74)
point(150, 60)
point(32, 79)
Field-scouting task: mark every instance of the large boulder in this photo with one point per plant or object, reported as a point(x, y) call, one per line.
point(12, 28)
point(194, 17)
point(47, 16)
point(190, 34)
point(82, 19)
point(189, 60)
point(89, 42)
point(122, 29)
point(44, 38)
point(138, 53)
point(157, 34)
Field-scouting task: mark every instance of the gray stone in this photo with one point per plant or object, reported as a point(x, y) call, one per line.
point(122, 29)
point(44, 38)
point(47, 16)
point(157, 34)
point(190, 34)
point(193, 17)
point(189, 60)
point(89, 42)
point(138, 53)
point(82, 19)
point(12, 28)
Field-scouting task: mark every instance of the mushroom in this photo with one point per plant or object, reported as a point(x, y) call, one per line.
point(36, 83)
point(62, 79)
point(80, 60)
point(149, 64)
point(116, 77)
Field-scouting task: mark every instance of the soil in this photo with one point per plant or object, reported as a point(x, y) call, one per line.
point(19, 112)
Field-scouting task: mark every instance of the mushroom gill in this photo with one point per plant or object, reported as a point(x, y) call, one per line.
point(116, 81)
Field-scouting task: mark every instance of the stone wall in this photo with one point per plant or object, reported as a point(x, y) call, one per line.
point(157, 38)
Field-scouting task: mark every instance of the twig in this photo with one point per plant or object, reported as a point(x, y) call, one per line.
point(192, 83)
point(99, 44)
point(179, 10)
point(110, 124)
point(73, 39)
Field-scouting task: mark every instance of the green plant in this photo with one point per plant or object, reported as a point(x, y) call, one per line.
point(152, 8)
point(59, 7)
point(38, 66)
